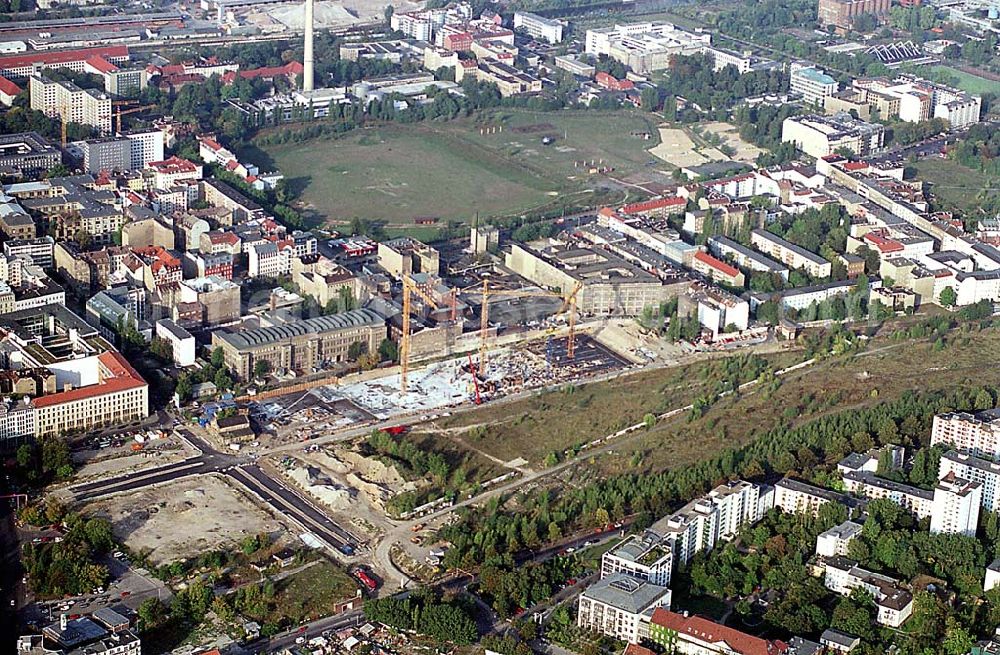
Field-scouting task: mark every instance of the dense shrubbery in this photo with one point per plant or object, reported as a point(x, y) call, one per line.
point(69, 566)
point(424, 613)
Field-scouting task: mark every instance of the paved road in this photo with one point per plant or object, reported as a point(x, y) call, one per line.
point(271, 491)
point(287, 502)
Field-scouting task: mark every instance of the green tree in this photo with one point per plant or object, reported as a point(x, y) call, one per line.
point(948, 297)
point(261, 368)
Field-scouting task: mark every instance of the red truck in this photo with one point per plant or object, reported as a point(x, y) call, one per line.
point(366, 580)
point(397, 430)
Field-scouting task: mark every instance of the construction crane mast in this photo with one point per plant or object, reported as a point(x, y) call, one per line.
point(569, 305)
point(409, 287)
point(119, 113)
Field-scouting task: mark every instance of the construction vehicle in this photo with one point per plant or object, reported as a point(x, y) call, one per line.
point(569, 305)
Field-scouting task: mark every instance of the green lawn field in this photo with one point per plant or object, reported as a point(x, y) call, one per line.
point(494, 164)
point(956, 185)
point(969, 82)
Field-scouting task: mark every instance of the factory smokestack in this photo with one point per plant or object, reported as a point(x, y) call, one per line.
point(307, 55)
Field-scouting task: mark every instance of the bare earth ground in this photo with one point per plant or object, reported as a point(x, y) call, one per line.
point(183, 519)
point(118, 461)
point(745, 152)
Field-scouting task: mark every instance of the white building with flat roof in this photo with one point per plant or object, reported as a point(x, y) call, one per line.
point(539, 27)
point(976, 434)
point(835, 541)
point(181, 341)
point(644, 556)
point(956, 506)
point(617, 605)
point(976, 469)
point(645, 47)
point(813, 84)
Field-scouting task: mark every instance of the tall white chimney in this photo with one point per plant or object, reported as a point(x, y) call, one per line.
point(307, 55)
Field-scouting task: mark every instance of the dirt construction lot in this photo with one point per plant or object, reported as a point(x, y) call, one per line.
point(745, 152)
point(677, 148)
point(183, 519)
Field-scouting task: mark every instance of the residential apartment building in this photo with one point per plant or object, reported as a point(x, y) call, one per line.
point(796, 497)
point(894, 604)
point(835, 541)
point(975, 434)
point(812, 84)
point(790, 254)
point(913, 99)
point(17, 423)
point(956, 506)
point(28, 152)
point(645, 47)
point(39, 250)
point(684, 634)
point(147, 146)
point(109, 154)
point(919, 502)
point(691, 529)
point(644, 556)
point(975, 469)
point(301, 345)
point(722, 246)
point(821, 136)
point(181, 341)
point(718, 270)
point(616, 606)
point(118, 396)
point(538, 27)
point(168, 173)
point(71, 103)
point(842, 13)
point(738, 504)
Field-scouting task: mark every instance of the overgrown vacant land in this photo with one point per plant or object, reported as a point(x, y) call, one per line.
point(494, 164)
point(558, 420)
point(956, 185)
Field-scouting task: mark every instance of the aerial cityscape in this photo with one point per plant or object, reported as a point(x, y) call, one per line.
point(500, 327)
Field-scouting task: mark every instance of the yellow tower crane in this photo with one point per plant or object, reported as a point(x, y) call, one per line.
point(409, 287)
point(569, 305)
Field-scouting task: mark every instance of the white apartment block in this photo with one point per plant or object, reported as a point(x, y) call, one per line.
point(539, 27)
point(983, 471)
point(645, 47)
point(71, 103)
point(17, 420)
point(737, 504)
point(646, 557)
point(894, 604)
point(617, 605)
point(120, 397)
point(920, 100)
point(146, 146)
point(181, 341)
point(813, 84)
point(836, 540)
point(790, 254)
point(956, 506)
point(992, 578)
point(919, 502)
point(976, 434)
point(796, 497)
point(819, 136)
point(268, 260)
point(691, 529)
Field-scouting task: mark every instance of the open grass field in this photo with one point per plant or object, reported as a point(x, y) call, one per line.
point(969, 82)
point(882, 373)
point(553, 421)
point(955, 184)
point(495, 164)
point(557, 420)
point(311, 593)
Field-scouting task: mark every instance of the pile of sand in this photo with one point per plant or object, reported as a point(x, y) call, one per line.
point(322, 488)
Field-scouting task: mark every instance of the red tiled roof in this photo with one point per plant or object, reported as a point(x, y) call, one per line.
point(123, 377)
point(173, 165)
point(714, 633)
point(605, 211)
point(62, 57)
point(883, 243)
point(291, 68)
point(101, 64)
point(8, 87)
point(855, 165)
point(650, 205)
point(717, 264)
point(636, 649)
point(211, 143)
